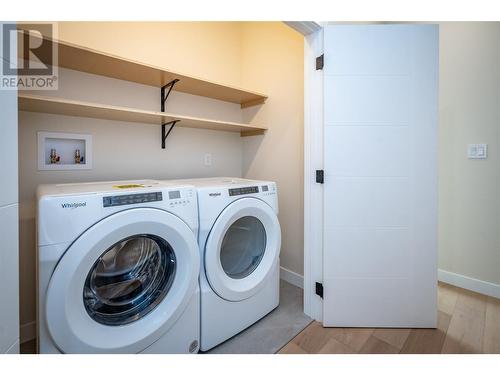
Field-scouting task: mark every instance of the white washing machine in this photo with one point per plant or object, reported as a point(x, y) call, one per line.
point(240, 240)
point(118, 266)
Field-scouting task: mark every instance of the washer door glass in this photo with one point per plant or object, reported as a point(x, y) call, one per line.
point(243, 247)
point(129, 280)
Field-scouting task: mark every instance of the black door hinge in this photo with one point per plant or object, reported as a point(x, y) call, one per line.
point(320, 62)
point(320, 176)
point(319, 289)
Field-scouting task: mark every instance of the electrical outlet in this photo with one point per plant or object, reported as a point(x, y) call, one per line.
point(208, 160)
point(477, 151)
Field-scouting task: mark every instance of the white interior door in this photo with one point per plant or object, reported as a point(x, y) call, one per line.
point(380, 162)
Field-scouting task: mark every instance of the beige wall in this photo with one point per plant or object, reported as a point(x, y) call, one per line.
point(121, 150)
point(273, 62)
point(469, 190)
point(210, 50)
point(129, 150)
point(215, 51)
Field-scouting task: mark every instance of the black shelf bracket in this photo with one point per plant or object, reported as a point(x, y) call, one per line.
point(164, 96)
point(165, 135)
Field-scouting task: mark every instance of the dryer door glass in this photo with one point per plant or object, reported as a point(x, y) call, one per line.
point(243, 247)
point(129, 280)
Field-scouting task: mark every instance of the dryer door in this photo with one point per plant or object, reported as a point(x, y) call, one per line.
point(123, 283)
point(242, 249)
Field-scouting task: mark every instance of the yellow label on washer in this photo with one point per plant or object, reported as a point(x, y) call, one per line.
point(128, 186)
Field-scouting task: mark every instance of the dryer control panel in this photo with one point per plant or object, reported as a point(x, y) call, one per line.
point(122, 200)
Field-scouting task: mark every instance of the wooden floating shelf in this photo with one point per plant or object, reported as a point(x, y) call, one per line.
point(87, 60)
point(45, 104)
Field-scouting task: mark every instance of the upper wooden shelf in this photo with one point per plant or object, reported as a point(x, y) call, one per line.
point(45, 104)
point(91, 61)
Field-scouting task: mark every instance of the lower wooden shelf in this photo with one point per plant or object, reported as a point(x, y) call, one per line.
point(46, 104)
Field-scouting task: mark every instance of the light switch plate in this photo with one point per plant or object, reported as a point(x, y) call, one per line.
point(477, 151)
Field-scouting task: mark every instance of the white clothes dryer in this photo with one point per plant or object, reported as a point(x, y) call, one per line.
point(240, 241)
point(118, 266)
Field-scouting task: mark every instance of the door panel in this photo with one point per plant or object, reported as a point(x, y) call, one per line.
point(380, 192)
point(368, 51)
point(385, 100)
point(359, 244)
point(371, 150)
point(369, 302)
point(367, 201)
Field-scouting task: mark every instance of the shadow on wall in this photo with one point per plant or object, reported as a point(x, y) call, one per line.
point(252, 112)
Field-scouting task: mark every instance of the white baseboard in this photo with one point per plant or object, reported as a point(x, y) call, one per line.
point(28, 332)
point(475, 285)
point(292, 277)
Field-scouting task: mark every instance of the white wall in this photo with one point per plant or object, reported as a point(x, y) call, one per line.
point(469, 201)
point(9, 275)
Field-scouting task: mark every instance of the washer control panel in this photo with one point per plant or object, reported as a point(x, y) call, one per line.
point(243, 190)
point(122, 200)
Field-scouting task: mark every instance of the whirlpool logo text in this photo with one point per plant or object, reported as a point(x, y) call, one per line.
point(74, 205)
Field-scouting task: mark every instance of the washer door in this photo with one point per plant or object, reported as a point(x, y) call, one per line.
point(242, 249)
point(123, 283)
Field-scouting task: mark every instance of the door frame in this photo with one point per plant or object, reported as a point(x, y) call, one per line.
point(313, 160)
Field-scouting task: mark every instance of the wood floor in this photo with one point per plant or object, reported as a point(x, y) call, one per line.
point(468, 322)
